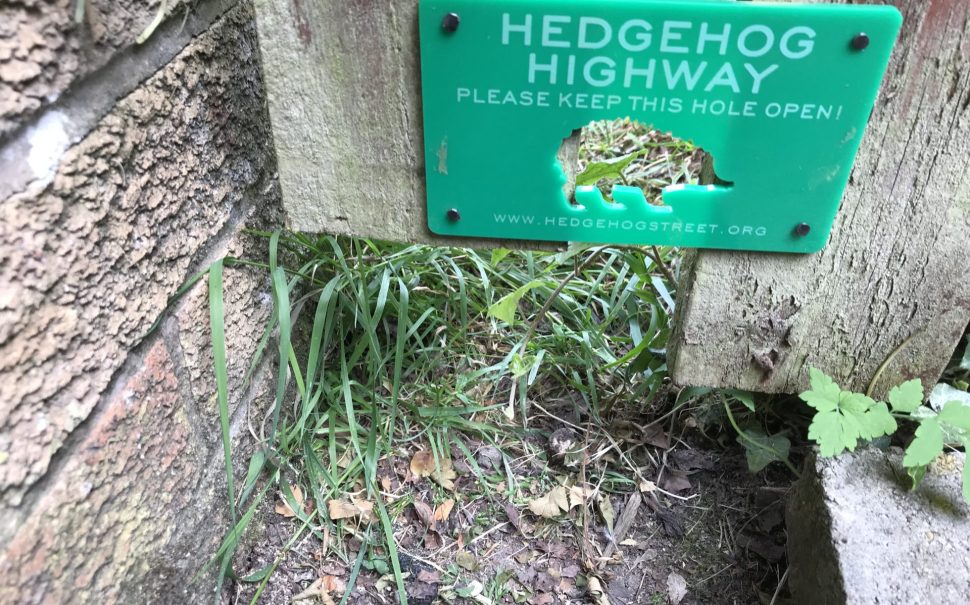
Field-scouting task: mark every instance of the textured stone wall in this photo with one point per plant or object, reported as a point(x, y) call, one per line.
point(111, 471)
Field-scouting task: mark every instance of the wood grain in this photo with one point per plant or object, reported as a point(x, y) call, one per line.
point(896, 266)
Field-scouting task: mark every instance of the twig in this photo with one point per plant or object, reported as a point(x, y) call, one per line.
point(781, 583)
point(658, 260)
point(885, 364)
point(625, 522)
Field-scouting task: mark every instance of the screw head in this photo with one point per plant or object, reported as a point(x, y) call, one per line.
point(450, 22)
point(453, 215)
point(860, 41)
point(802, 229)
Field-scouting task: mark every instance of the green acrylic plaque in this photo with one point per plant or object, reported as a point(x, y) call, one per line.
point(779, 94)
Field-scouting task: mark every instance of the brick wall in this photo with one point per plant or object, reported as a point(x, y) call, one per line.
point(124, 170)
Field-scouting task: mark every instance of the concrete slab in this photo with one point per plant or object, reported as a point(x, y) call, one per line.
point(856, 534)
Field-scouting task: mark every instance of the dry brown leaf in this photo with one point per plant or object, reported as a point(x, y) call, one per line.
point(325, 588)
point(443, 510)
point(445, 475)
point(283, 507)
point(552, 504)
point(597, 592)
point(424, 513)
point(606, 511)
point(334, 585)
point(676, 483)
point(366, 508)
point(578, 495)
point(432, 540)
point(429, 576)
point(422, 464)
point(354, 508)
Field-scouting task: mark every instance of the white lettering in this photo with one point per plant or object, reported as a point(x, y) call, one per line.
point(525, 29)
point(606, 32)
point(670, 36)
point(549, 30)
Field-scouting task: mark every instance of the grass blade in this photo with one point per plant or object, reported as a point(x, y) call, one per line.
point(218, 329)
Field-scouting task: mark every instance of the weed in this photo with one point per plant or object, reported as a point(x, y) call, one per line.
point(383, 349)
point(843, 418)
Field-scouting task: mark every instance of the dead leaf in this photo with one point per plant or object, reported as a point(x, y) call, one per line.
point(515, 518)
point(283, 506)
point(543, 598)
point(386, 484)
point(467, 560)
point(334, 585)
point(578, 495)
point(325, 588)
point(552, 504)
point(429, 576)
point(424, 513)
point(445, 475)
point(655, 436)
point(647, 486)
point(676, 588)
point(596, 590)
point(422, 464)
point(354, 508)
point(489, 457)
point(443, 510)
point(606, 510)
point(676, 483)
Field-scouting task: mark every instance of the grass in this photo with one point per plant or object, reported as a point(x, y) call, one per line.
point(383, 349)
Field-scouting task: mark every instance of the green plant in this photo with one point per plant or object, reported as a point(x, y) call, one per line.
point(844, 418)
point(381, 347)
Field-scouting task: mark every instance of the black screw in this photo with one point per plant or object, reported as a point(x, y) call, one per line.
point(861, 41)
point(450, 22)
point(802, 229)
point(453, 215)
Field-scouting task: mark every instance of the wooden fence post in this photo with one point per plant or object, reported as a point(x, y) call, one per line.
point(894, 275)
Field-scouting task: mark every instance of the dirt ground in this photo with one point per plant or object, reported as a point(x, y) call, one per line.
point(700, 530)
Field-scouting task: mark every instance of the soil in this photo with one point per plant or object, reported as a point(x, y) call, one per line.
point(721, 537)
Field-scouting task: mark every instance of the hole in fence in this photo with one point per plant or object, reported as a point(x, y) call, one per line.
point(607, 153)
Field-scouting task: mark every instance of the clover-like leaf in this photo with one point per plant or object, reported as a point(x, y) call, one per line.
point(907, 396)
point(826, 430)
point(956, 414)
point(844, 417)
point(926, 445)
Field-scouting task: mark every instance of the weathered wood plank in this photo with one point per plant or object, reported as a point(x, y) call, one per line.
point(344, 100)
point(343, 85)
point(895, 268)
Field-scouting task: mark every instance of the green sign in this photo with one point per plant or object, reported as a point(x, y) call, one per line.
point(779, 94)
